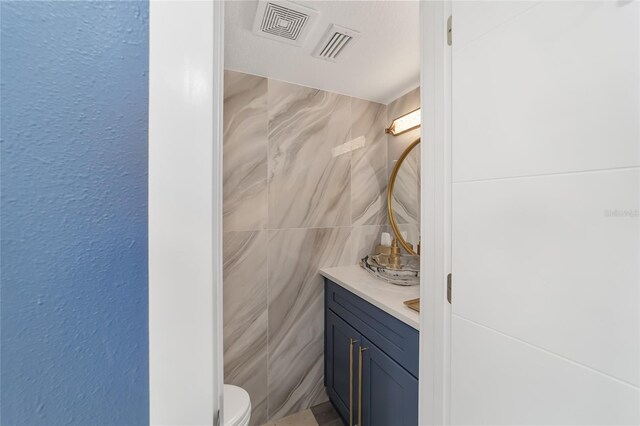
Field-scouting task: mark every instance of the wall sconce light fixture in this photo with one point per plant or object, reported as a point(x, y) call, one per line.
point(403, 124)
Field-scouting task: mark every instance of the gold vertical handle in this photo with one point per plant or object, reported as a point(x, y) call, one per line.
point(351, 343)
point(360, 385)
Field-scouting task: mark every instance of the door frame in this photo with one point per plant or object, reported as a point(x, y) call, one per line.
point(171, 322)
point(186, 53)
point(435, 216)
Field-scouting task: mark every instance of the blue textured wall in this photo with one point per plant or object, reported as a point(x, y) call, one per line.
point(74, 100)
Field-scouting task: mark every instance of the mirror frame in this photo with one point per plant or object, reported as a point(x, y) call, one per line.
point(392, 182)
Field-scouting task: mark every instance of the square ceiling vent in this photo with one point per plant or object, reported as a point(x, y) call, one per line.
point(283, 21)
point(336, 41)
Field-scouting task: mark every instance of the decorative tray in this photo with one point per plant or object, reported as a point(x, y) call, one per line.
point(405, 272)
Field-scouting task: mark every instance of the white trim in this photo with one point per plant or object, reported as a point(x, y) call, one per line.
point(218, 104)
point(435, 217)
point(185, 216)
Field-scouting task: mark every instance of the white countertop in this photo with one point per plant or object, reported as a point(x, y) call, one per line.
point(388, 297)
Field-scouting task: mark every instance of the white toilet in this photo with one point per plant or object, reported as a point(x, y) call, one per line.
point(237, 406)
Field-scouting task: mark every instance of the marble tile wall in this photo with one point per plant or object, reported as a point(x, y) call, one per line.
point(309, 187)
point(295, 199)
point(245, 152)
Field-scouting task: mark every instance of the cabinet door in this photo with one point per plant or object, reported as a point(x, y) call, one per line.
point(389, 392)
point(341, 363)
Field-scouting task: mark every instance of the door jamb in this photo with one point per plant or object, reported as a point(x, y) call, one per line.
point(435, 220)
point(435, 213)
point(186, 51)
point(218, 212)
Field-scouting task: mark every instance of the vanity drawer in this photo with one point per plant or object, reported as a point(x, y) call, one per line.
point(392, 336)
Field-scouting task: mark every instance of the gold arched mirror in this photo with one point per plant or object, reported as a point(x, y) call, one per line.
point(403, 198)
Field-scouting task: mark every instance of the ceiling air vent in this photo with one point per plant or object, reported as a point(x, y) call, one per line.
point(283, 21)
point(335, 42)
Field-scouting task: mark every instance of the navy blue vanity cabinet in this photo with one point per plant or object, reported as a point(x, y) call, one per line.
point(389, 392)
point(371, 362)
point(340, 359)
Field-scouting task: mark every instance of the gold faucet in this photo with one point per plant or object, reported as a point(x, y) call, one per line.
point(394, 255)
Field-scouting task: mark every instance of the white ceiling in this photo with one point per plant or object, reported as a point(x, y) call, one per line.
point(381, 66)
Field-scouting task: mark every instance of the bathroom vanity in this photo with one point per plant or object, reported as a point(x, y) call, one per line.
point(371, 348)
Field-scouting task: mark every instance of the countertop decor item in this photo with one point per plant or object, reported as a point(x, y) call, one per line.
point(413, 304)
point(405, 270)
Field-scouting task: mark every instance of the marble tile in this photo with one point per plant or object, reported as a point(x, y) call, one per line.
point(326, 415)
point(284, 168)
point(309, 183)
point(245, 152)
point(364, 240)
point(296, 319)
point(303, 418)
point(245, 316)
point(369, 175)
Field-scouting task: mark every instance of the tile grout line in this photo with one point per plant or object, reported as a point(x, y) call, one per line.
point(569, 173)
point(500, 25)
point(351, 121)
point(548, 352)
point(268, 258)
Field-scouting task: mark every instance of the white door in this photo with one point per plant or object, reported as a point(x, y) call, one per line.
point(545, 325)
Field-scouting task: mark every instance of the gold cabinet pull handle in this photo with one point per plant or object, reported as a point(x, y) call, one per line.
point(351, 343)
point(360, 385)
